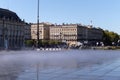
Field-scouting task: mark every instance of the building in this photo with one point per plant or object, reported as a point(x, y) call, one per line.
point(43, 31)
point(11, 30)
point(56, 32)
point(27, 31)
point(74, 33)
point(64, 33)
point(89, 35)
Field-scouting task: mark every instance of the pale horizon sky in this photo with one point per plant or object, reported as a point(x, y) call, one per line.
point(103, 13)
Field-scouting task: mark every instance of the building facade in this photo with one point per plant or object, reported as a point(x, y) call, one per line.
point(88, 34)
point(11, 30)
point(56, 33)
point(64, 33)
point(71, 34)
point(27, 31)
point(43, 31)
point(74, 33)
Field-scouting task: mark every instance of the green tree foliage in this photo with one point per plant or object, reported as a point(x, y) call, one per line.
point(29, 42)
point(44, 43)
point(54, 42)
point(109, 37)
point(51, 42)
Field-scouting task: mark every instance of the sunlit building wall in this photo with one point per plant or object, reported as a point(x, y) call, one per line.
point(73, 33)
point(43, 31)
point(64, 33)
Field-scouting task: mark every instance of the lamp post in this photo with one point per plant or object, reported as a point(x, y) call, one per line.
point(38, 37)
point(38, 25)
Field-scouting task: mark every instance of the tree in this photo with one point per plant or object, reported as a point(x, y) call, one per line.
point(29, 43)
point(45, 43)
point(109, 37)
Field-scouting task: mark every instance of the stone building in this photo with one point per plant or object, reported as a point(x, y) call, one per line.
point(64, 33)
point(71, 34)
point(74, 33)
point(56, 32)
point(27, 32)
point(11, 30)
point(43, 31)
point(89, 35)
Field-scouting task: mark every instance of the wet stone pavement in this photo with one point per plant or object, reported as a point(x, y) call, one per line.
point(60, 65)
point(109, 71)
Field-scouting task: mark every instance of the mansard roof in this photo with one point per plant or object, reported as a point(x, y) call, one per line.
point(8, 15)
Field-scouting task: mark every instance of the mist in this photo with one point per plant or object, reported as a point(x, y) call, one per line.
point(12, 63)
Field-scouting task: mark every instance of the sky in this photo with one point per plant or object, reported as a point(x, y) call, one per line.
point(102, 13)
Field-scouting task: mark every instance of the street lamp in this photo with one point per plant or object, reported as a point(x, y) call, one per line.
point(38, 25)
point(38, 37)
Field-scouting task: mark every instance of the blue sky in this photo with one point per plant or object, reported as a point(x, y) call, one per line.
point(103, 13)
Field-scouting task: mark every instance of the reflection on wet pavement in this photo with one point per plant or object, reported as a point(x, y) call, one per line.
point(110, 71)
point(61, 65)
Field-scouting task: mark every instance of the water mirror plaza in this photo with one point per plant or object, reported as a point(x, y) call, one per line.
point(59, 40)
point(60, 65)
